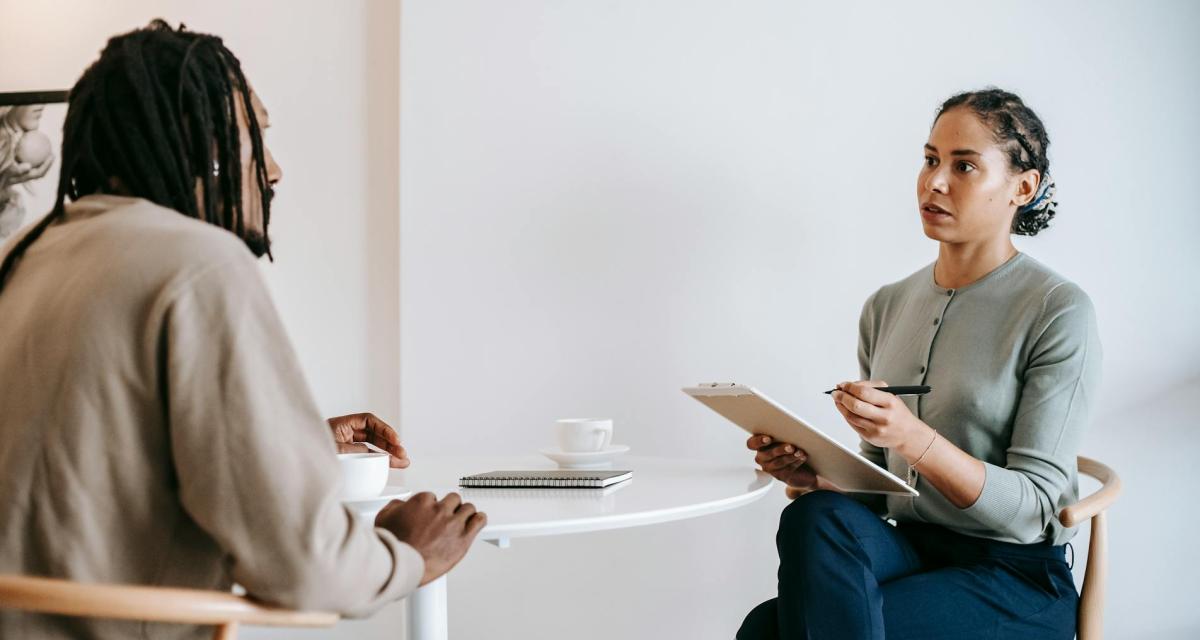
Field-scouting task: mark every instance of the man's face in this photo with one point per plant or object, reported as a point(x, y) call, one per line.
point(251, 197)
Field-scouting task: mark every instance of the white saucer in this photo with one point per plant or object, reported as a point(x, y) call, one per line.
point(602, 459)
point(377, 502)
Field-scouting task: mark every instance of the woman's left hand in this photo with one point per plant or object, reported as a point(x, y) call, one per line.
point(881, 418)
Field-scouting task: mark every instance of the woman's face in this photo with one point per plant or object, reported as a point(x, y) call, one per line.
point(966, 190)
point(28, 117)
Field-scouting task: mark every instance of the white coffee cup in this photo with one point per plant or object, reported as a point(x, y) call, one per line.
point(364, 475)
point(581, 435)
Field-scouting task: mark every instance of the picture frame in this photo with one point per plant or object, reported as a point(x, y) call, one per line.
point(31, 124)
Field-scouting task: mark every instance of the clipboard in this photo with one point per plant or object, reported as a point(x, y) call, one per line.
point(755, 413)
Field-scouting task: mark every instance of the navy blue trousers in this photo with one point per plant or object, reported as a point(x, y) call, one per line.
point(846, 574)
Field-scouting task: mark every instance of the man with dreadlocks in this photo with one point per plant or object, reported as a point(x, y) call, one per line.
point(155, 426)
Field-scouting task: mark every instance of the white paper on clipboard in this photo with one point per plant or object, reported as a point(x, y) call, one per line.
point(754, 412)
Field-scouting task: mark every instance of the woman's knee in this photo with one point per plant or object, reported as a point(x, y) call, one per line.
point(762, 623)
point(818, 512)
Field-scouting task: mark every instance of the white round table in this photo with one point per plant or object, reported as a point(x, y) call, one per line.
point(662, 490)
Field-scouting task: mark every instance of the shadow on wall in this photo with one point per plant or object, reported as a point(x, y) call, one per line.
point(1152, 526)
point(382, 80)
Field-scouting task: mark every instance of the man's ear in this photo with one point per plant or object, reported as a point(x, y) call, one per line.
point(1028, 182)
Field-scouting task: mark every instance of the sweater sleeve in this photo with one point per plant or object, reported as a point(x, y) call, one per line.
point(1020, 499)
point(255, 460)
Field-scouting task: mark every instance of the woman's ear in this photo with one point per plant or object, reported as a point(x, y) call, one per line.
point(1027, 187)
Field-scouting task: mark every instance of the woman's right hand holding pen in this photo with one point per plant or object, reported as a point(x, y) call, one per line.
point(785, 462)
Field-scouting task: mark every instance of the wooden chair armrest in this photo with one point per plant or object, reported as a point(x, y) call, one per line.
point(156, 604)
point(1110, 488)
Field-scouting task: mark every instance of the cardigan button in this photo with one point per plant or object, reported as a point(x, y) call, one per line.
point(922, 369)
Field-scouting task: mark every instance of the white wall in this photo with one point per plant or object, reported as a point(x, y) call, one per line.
point(602, 202)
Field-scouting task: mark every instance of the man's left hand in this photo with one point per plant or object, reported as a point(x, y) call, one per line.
point(365, 427)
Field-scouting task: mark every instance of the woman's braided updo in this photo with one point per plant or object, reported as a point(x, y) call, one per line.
point(1020, 133)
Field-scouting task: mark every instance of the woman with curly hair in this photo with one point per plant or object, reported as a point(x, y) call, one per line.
point(1011, 351)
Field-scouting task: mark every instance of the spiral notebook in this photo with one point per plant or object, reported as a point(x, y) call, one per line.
point(546, 479)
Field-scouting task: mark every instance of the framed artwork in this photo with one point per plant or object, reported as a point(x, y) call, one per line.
point(30, 142)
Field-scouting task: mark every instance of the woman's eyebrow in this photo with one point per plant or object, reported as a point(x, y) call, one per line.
point(956, 152)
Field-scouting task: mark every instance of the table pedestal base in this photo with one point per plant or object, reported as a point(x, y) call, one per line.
point(428, 615)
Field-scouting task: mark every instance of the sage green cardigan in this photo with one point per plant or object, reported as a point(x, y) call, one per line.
point(1014, 362)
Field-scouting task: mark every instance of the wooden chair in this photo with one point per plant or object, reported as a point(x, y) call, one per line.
point(1090, 618)
point(1095, 576)
point(155, 604)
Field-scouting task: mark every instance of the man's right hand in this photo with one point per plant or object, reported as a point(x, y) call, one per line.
point(440, 530)
point(785, 462)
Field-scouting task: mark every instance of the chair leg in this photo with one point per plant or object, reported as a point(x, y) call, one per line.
point(1091, 598)
point(227, 631)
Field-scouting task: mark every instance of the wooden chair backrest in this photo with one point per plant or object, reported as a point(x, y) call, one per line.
point(1095, 575)
point(155, 604)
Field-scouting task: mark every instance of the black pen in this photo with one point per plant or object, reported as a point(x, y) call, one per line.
point(918, 390)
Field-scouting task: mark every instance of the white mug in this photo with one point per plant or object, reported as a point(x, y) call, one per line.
point(582, 435)
point(364, 475)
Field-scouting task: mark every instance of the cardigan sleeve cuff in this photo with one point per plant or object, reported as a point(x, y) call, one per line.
point(998, 507)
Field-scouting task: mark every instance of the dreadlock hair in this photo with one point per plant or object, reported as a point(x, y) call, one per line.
point(152, 116)
point(1021, 134)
